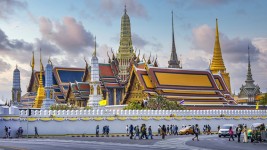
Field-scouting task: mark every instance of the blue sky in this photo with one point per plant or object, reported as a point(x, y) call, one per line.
point(64, 29)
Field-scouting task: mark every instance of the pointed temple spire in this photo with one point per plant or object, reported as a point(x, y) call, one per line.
point(249, 91)
point(217, 64)
point(125, 51)
point(41, 91)
point(249, 74)
point(173, 62)
point(125, 10)
point(94, 54)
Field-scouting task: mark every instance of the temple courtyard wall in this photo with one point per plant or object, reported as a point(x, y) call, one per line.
point(73, 122)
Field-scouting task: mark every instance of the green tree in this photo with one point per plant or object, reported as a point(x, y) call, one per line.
point(134, 105)
point(155, 103)
point(263, 100)
point(161, 103)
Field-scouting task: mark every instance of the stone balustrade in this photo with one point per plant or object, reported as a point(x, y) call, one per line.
point(106, 113)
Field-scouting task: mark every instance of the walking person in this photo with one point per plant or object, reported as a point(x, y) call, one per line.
point(231, 133)
point(163, 131)
point(196, 132)
point(168, 130)
point(107, 131)
point(131, 131)
point(9, 132)
point(159, 129)
point(97, 131)
point(150, 133)
point(238, 132)
point(36, 132)
point(6, 131)
point(127, 130)
point(137, 132)
point(245, 131)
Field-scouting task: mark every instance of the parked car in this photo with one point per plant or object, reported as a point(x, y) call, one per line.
point(187, 130)
point(224, 130)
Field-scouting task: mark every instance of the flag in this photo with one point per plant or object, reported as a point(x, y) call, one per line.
point(103, 102)
point(181, 102)
point(257, 106)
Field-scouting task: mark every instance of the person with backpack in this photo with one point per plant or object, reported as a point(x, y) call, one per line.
point(238, 132)
point(163, 132)
point(137, 132)
point(231, 133)
point(196, 132)
point(131, 131)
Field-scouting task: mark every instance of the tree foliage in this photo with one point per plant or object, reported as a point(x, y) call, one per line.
point(263, 100)
point(134, 105)
point(155, 103)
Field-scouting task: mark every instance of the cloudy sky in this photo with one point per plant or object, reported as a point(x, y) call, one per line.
point(65, 29)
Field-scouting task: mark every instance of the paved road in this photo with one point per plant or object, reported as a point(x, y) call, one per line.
point(122, 143)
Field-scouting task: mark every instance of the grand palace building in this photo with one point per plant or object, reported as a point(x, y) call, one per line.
point(128, 77)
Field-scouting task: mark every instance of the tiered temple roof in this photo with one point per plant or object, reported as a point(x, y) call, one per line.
point(192, 86)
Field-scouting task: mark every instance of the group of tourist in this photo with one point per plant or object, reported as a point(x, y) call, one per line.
point(140, 133)
point(207, 129)
point(240, 129)
point(7, 132)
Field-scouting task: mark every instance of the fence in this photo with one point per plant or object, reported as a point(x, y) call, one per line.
point(106, 113)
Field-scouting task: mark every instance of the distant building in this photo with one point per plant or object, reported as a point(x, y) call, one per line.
point(16, 89)
point(249, 93)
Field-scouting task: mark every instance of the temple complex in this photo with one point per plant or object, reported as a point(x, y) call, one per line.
point(249, 93)
point(174, 62)
point(217, 64)
point(127, 77)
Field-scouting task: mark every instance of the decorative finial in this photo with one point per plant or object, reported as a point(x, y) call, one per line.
point(94, 54)
point(16, 66)
point(113, 56)
point(217, 30)
point(125, 11)
point(109, 60)
point(32, 61)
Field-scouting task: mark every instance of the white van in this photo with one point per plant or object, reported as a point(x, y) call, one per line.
point(224, 130)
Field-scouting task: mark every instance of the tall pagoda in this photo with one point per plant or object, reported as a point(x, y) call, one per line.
point(125, 49)
point(173, 62)
point(249, 91)
point(217, 64)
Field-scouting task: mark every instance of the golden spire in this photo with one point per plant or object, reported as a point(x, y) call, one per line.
point(217, 63)
point(32, 61)
point(41, 70)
